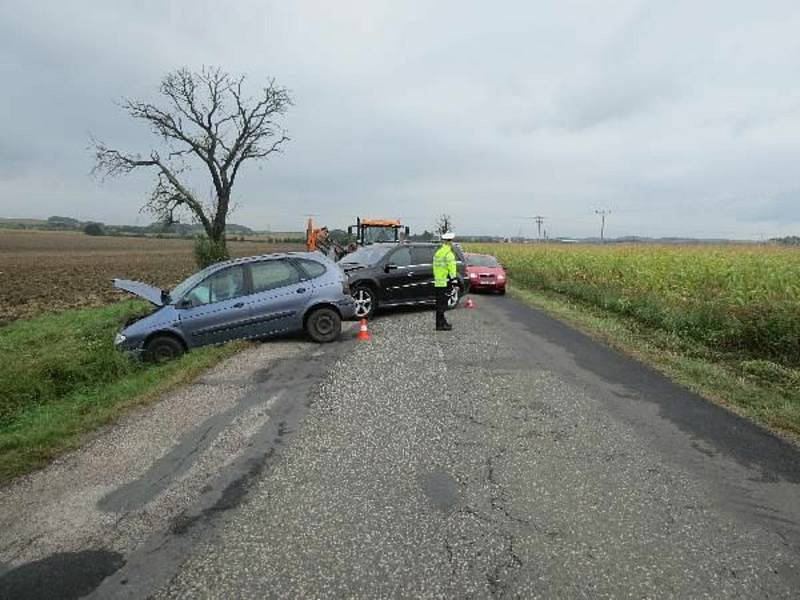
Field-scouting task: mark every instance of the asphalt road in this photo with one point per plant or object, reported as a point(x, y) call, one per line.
point(512, 457)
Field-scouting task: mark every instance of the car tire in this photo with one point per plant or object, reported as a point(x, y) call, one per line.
point(366, 301)
point(324, 325)
point(502, 291)
point(162, 348)
point(453, 297)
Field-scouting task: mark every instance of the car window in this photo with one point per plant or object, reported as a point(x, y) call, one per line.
point(366, 255)
point(401, 257)
point(188, 283)
point(311, 267)
point(271, 274)
point(482, 260)
point(222, 285)
point(422, 255)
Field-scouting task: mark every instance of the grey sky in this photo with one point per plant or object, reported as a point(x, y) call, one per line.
point(681, 117)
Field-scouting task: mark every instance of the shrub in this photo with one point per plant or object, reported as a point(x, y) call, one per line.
point(93, 229)
point(207, 251)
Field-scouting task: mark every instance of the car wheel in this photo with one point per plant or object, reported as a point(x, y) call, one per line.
point(162, 348)
point(502, 291)
point(365, 301)
point(324, 325)
point(453, 297)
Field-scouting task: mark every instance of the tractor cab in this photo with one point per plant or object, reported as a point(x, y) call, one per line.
point(373, 231)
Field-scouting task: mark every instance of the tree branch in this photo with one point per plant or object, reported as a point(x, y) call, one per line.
point(207, 115)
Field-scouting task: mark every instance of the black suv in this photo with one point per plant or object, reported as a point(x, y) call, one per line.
point(397, 274)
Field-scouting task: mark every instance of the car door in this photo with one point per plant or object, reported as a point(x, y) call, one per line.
point(396, 276)
point(215, 310)
point(280, 294)
point(421, 276)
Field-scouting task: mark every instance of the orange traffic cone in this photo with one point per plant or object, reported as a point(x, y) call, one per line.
point(470, 303)
point(363, 333)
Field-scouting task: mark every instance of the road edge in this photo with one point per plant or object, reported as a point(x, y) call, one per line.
point(711, 380)
point(104, 416)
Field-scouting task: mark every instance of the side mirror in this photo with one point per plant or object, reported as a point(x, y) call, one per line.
point(389, 267)
point(184, 303)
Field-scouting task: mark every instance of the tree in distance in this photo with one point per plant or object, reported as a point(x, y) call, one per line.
point(207, 119)
point(425, 236)
point(93, 229)
point(444, 224)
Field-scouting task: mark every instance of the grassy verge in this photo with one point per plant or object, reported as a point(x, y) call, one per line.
point(61, 377)
point(760, 390)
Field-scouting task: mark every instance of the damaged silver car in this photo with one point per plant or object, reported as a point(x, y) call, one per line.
point(254, 297)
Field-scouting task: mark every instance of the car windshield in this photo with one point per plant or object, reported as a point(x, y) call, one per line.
point(180, 290)
point(366, 255)
point(482, 260)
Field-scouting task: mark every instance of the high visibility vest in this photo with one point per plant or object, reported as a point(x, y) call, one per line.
point(444, 265)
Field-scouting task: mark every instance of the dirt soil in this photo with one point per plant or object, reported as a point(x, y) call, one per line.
point(48, 271)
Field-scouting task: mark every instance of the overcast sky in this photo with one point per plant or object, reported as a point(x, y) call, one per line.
point(682, 118)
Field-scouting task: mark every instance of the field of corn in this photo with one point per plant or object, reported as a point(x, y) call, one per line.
point(740, 300)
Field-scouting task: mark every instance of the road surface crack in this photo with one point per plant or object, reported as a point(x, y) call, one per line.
point(474, 420)
point(450, 558)
point(503, 574)
point(498, 495)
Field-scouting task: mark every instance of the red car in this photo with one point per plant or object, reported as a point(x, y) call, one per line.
point(485, 273)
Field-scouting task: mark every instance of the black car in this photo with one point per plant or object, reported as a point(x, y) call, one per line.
point(395, 274)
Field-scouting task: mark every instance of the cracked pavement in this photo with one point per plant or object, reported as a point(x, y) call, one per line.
point(141, 483)
point(490, 463)
point(512, 457)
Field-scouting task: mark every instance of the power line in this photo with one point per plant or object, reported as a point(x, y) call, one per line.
point(539, 220)
point(602, 212)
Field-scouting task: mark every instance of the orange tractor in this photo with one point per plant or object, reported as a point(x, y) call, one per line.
point(370, 231)
point(365, 231)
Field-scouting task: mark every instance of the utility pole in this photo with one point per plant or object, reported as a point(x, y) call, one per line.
point(602, 214)
point(539, 220)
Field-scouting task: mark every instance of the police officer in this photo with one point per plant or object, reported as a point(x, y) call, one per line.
point(444, 275)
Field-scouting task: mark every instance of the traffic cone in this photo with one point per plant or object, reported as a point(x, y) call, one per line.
point(470, 303)
point(363, 333)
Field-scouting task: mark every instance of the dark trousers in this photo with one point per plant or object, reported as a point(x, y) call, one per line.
point(441, 305)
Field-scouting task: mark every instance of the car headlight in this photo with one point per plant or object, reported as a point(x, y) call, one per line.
point(501, 277)
point(119, 339)
point(473, 275)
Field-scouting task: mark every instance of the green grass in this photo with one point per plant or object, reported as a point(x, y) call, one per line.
point(61, 377)
point(742, 300)
point(721, 319)
point(761, 390)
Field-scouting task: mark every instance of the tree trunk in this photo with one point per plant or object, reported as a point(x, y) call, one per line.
point(217, 233)
point(214, 248)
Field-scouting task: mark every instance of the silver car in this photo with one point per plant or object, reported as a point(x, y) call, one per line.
point(253, 297)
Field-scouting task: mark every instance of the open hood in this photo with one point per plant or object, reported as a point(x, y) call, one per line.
point(148, 292)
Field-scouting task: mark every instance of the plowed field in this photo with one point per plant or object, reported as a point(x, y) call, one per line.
point(51, 271)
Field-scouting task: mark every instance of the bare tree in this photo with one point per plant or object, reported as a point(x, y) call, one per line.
point(206, 117)
point(444, 224)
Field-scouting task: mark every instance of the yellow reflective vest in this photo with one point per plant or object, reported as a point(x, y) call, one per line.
point(444, 265)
